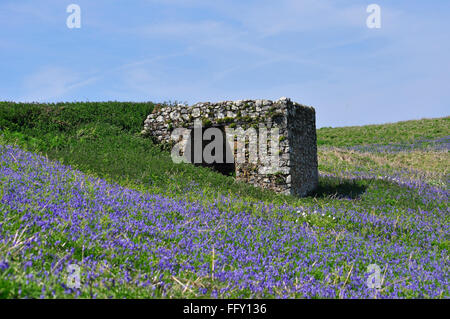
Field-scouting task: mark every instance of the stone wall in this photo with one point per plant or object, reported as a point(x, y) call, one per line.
point(296, 171)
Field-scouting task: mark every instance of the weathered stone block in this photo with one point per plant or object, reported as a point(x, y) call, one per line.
point(296, 172)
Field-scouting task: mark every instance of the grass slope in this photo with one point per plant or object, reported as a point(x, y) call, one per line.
point(400, 132)
point(103, 139)
point(392, 202)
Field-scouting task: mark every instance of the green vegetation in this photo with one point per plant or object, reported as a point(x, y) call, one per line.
point(103, 139)
point(400, 132)
point(360, 197)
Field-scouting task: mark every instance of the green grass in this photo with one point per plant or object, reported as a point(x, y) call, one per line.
point(103, 140)
point(400, 132)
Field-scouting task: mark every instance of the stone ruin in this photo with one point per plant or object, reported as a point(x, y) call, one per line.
point(291, 127)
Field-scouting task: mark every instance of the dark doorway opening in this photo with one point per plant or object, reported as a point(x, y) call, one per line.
point(220, 164)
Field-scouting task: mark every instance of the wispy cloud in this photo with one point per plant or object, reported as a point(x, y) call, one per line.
point(318, 52)
point(15, 13)
point(52, 83)
point(196, 29)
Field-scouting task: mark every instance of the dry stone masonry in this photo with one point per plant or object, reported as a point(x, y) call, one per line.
point(297, 171)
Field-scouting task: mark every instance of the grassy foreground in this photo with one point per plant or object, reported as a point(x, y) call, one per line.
point(140, 226)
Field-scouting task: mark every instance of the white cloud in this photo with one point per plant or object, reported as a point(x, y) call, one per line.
point(195, 29)
point(267, 18)
point(205, 54)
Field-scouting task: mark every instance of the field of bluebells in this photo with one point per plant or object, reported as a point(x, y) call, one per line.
point(136, 244)
point(79, 187)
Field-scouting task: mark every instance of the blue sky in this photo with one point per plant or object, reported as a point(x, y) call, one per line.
point(317, 52)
